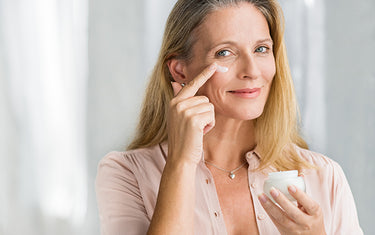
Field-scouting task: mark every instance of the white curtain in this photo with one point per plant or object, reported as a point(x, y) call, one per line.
point(43, 75)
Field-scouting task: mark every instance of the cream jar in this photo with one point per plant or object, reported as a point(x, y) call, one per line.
point(281, 180)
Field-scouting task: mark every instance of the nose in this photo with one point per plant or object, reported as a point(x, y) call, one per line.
point(248, 67)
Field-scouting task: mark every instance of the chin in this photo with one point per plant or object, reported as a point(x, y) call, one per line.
point(252, 115)
point(245, 115)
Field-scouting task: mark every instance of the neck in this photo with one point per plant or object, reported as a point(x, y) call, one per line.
point(226, 144)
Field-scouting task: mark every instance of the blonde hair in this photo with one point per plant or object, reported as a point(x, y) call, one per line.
point(276, 129)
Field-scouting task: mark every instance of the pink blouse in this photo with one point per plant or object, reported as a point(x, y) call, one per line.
point(127, 186)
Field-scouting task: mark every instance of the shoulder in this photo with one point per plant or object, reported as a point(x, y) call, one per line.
point(133, 163)
point(134, 157)
point(327, 185)
point(327, 170)
point(126, 187)
point(325, 167)
point(317, 159)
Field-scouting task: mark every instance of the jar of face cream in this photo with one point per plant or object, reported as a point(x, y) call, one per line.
point(281, 180)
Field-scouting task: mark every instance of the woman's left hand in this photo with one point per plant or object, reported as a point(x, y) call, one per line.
point(289, 219)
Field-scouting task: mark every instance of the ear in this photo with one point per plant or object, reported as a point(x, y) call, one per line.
point(177, 70)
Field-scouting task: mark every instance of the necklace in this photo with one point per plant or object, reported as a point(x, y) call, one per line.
point(231, 173)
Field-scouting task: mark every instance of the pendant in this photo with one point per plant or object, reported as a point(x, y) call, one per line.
point(231, 175)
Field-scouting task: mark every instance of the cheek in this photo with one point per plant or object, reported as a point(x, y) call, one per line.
point(228, 62)
point(215, 87)
point(219, 80)
point(269, 70)
point(214, 84)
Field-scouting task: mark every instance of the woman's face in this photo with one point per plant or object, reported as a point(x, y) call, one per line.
point(237, 38)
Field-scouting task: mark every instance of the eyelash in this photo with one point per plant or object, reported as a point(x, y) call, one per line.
point(218, 54)
point(266, 49)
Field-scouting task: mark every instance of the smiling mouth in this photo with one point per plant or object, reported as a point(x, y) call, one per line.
point(246, 90)
point(247, 93)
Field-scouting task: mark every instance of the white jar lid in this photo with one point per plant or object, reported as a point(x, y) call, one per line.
point(282, 174)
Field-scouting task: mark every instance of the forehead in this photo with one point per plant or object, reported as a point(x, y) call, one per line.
point(239, 23)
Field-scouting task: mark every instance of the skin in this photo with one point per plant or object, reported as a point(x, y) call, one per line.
point(207, 117)
point(306, 218)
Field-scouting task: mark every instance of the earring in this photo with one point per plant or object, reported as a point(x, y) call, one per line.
point(183, 84)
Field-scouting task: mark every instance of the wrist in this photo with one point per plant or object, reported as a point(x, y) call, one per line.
point(181, 165)
point(183, 159)
point(174, 210)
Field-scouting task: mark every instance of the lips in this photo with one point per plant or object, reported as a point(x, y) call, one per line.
point(247, 92)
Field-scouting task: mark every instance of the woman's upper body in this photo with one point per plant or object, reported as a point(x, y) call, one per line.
point(220, 87)
point(128, 182)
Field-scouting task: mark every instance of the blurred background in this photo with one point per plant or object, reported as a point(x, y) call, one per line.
point(72, 78)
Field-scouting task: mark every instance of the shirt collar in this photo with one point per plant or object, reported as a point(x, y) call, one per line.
point(253, 157)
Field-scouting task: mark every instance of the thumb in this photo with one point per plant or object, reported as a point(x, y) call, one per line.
point(176, 87)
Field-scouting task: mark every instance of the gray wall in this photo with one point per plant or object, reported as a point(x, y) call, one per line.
point(120, 58)
point(350, 43)
point(121, 55)
point(115, 86)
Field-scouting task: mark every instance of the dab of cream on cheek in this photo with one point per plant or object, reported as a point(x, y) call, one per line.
point(221, 69)
point(281, 180)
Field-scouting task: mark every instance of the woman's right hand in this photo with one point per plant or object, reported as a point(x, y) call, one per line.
point(190, 117)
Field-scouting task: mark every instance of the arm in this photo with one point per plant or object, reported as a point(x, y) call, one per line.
point(345, 216)
point(190, 117)
point(120, 204)
point(174, 211)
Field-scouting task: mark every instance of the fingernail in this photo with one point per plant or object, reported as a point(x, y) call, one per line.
point(274, 192)
point(176, 87)
point(221, 69)
point(292, 188)
point(263, 198)
point(213, 66)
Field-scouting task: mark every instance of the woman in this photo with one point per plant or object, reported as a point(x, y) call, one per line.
point(219, 114)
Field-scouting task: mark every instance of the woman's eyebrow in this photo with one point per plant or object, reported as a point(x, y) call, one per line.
point(229, 42)
point(267, 40)
point(220, 43)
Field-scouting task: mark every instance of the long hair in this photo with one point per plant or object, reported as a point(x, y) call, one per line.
point(276, 130)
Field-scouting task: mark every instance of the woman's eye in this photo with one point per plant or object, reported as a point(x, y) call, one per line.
point(261, 49)
point(223, 53)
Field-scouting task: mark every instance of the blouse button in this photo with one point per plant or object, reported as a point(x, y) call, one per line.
point(207, 181)
point(253, 185)
point(216, 214)
point(261, 216)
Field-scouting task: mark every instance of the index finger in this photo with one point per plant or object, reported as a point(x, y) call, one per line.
point(308, 203)
point(193, 86)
